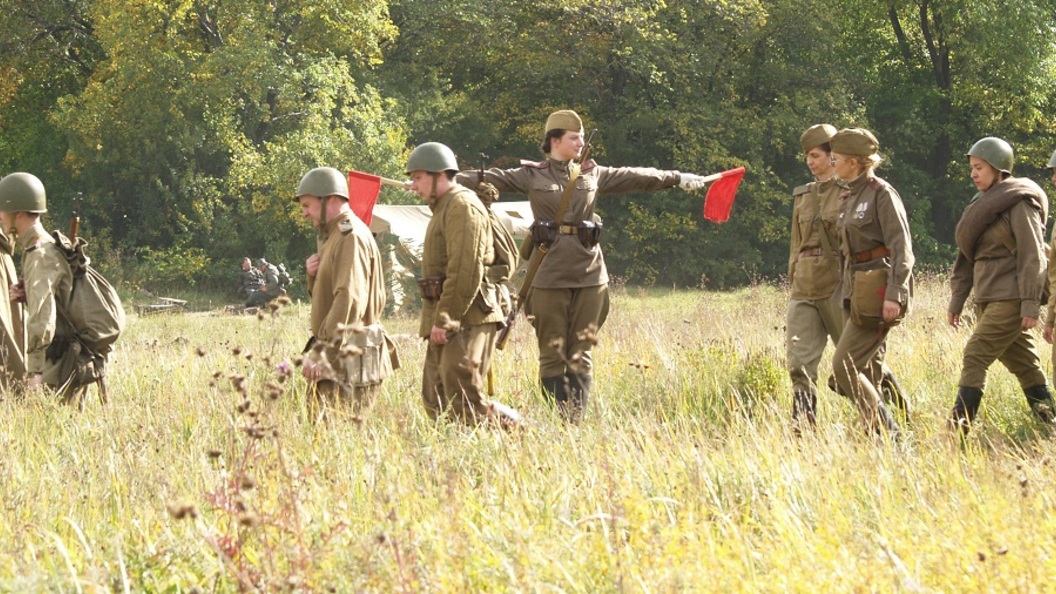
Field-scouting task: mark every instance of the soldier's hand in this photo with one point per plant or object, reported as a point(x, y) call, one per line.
point(17, 293)
point(1029, 323)
point(691, 181)
point(311, 370)
point(311, 265)
point(891, 310)
point(1048, 334)
point(955, 320)
point(438, 335)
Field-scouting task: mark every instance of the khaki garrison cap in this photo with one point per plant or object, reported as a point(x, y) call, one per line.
point(817, 136)
point(858, 142)
point(565, 119)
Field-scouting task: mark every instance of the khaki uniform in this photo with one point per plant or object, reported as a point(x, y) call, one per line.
point(12, 328)
point(813, 273)
point(570, 293)
point(457, 252)
point(872, 218)
point(348, 289)
point(48, 281)
point(1008, 286)
point(249, 281)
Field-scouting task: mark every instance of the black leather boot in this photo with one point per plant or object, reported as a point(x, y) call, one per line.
point(555, 389)
point(892, 393)
point(578, 394)
point(965, 409)
point(804, 411)
point(1040, 400)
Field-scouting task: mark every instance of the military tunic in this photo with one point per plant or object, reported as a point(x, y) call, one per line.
point(458, 250)
point(48, 281)
point(250, 281)
point(1006, 269)
point(570, 292)
point(348, 289)
point(872, 221)
point(813, 274)
point(12, 328)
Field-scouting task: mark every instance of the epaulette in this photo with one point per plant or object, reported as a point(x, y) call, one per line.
point(345, 226)
point(587, 165)
point(535, 164)
point(800, 190)
point(877, 183)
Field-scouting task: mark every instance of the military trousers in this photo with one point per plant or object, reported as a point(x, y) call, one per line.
point(329, 398)
point(454, 374)
point(809, 323)
point(999, 336)
point(566, 321)
point(858, 358)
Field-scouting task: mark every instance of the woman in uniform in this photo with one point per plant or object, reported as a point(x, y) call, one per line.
point(570, 296)
point(1001, 257)
point(876, 278)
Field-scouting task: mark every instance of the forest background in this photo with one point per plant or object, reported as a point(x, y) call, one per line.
point(186, 124)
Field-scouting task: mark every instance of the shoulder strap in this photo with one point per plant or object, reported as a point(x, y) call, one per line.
point(540, 251)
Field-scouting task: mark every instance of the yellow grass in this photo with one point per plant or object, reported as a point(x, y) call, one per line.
point(685, 477)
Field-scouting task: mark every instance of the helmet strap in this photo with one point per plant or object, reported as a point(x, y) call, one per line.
point(432, 193)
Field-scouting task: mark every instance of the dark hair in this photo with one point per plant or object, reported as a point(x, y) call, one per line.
point(825, 146)
point(550, 135)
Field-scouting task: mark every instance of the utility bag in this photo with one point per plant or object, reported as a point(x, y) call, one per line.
point(94, 310)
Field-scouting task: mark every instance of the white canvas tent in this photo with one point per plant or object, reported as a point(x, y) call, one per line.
point(400, 232)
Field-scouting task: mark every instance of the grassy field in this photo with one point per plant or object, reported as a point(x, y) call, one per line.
point(684, 478)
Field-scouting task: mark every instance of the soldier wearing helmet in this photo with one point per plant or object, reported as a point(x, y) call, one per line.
point(570, 297)
point(12, 327)
point(1001, 259)
point(876, 253)
point(269, 287)
point(813, 316)
point(51, 354)
point(349, 354)
point(461, 310)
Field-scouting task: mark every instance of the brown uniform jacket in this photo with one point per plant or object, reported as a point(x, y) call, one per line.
point(349, 286)
point(13, 342)
point(997, 273)
point(48, 281)
point(458, 247)
point(872, 216)
point(569, 264)
point(814, 257)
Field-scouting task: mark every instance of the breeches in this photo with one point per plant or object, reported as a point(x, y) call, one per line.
point(999, 336)
point(858, 354)
point(809, 324)
point(454, 374)
point(566, 321)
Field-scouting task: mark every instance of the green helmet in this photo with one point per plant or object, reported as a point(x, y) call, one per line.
point(994, 151)
point(22, 192)
point(1052, 161)
point(432, 157)
point(322, 182)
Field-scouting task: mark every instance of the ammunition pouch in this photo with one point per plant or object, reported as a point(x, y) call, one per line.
point(543, 232)
point(588, 232)
point(371, 364)
point(431, 287)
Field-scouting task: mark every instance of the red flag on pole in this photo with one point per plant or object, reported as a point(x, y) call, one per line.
point(719, 200)
point(363, 190)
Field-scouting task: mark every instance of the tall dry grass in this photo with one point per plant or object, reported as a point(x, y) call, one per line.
point(199, 476)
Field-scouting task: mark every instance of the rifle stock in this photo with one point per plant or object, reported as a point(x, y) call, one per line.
point(75, 217)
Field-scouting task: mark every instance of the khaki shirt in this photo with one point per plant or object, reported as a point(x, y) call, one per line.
point(871, 216)
point(998, 273)
point(458, 246)
point(13, 341)
point(349, 286)
point(815, 209)
point(48, 281)
point(569, 264)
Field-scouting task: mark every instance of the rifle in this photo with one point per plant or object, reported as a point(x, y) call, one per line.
point(75, 217)
point(541, 250)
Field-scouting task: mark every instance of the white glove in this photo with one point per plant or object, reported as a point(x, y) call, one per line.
point(690, 181)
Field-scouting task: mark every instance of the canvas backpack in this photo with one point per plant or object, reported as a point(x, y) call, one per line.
point(94, 309)
point(284, 277)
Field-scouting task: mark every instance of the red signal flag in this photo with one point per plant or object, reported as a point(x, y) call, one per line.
point(719, 200)
point(363, 190)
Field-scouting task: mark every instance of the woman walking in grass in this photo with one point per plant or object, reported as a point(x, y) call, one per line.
point(1001, 257)
point(877, 273)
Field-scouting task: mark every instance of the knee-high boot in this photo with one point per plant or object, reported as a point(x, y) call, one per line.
point(555, 389)
point(804, 411)
point(1040, 400)
point(965, 409)
point(578, 393)
point(893, 393)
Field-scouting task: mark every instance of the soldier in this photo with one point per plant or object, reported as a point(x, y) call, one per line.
point(249, 279)
point(53, 357)
point(270, 288)
point(462, 308)
point(1001, 256)
point(813, 274)
point(877, 273)
point(1050, 309)
point(13, 341)
point(348, 355)
point(570, 297)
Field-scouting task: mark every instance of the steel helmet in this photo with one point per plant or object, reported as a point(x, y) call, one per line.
point(432, 157)
point(1052, 161)
point(322, 182)
point(22, 192)
point(994, 151)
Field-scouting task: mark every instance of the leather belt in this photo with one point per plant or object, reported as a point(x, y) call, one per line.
point(880, 251)
point(568, 229)
point(811, 253)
